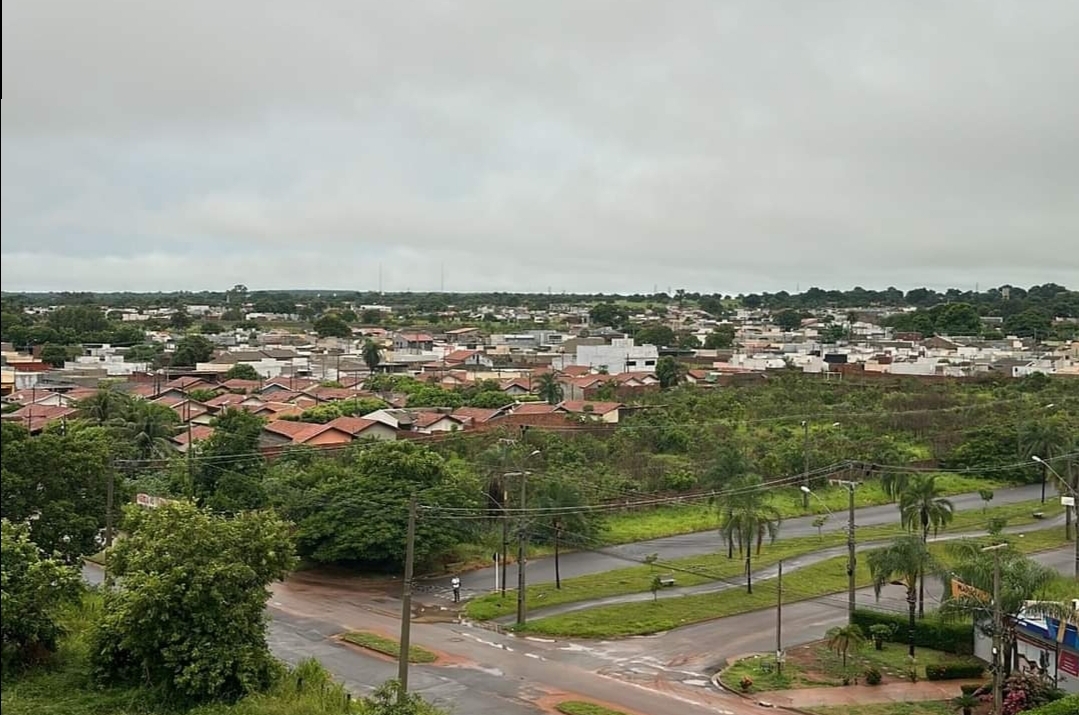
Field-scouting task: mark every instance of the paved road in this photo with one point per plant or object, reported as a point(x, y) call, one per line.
point(580, 563)
point(790, 569)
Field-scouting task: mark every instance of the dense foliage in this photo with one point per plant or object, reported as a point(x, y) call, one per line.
point(190, 616)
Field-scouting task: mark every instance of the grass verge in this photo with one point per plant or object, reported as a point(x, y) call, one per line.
point(814, 581)
point(388, 646)
point(696, 570)
point(579, 707)
point(627, 527)
point(927, 707)
point(815, 666)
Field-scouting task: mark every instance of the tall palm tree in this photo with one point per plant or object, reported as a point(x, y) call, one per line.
point(922, 506)
point(726, 501)
point(844, 639)
point(1022, 581)
point(747, 519)
point(150, 427)
point(372, 354)
point(1046, 438)
point(905, 559)
point(549, 388)
point(894, 484)
point(106, 406)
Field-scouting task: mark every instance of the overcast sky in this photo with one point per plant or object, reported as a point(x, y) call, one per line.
point(573, 146)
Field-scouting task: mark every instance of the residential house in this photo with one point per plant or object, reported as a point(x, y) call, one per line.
point(472, 416)
point(468, 359)
point(35, 418)
point(607, 412)
point(516, 386)
point(198, 433)
point(424, 421)
point(622, 355)
point(412, 342)
point(431, 422)
point(361, 428)
point(278, 433)
point(464, 336)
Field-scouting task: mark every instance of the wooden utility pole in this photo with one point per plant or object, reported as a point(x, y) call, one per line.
point(406, 604)
point(998, 626)
point(805, 463)
point(521, 546)
point(779, 619)
point(852, 558)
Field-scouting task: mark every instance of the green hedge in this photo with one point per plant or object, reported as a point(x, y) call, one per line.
point(953, 671)
point(1064, 706)
point(928, 632)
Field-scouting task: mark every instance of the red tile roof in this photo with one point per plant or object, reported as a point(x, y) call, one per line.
point(477, 415)
point(460, 355)
point(536, 408)
point(198, 434)
point(352, 425)
point(597, 408)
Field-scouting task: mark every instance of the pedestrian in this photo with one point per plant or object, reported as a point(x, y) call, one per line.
point(456, 583)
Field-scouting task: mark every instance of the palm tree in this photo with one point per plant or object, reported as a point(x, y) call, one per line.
point(1046, 439)
point(905, 559)
point(966, 702)
point(747, 520)
point(922, 506)
point(894, 484)
point(725, 502)
point(1022, 580)
point(150, 427)
point(372, 354)
point(105, 406)
point(553, 494)
point(844, 639)
point(549, 388)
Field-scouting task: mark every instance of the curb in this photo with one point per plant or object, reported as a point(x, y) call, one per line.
point(749, 698)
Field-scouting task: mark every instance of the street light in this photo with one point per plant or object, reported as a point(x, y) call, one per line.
point(1074, 506)
point(852, 560)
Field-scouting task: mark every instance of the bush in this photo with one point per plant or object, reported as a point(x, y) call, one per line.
point(928, 632)
point(1064, 706)
point(971, 688)
point(953, 671)
point(872, 675)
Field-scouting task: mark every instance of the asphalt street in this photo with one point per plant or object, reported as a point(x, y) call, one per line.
point(580, 563)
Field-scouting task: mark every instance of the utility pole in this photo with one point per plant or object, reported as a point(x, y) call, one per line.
point(521, 546)
point(998, 626)
point(505, 540)
point(406, 605)
point(779, 619)
point(852, 558)
point(805, 463)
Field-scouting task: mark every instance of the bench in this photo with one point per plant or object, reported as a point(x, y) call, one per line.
point(1038, 515)
point(666, 581)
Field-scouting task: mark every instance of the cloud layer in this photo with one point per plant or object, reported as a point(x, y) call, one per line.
point(615, 146)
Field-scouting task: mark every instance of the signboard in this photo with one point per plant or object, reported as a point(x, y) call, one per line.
point(151, 502)
point(1067, 501)
point(961, 589)
point(1069, 663)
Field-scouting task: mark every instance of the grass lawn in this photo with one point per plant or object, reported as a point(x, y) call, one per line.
point(645, 617)
point(815, 666)
point(388, 646)
point(928, 707)
point(623, 528)
point(695, 570)
point(579, 707)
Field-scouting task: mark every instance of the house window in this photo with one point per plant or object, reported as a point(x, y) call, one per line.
point(649, 363)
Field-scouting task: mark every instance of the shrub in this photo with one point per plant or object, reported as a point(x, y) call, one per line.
point(928, 632)
point(1064, 706)
point(953, 671)
point(745, 683)
point(872, 675)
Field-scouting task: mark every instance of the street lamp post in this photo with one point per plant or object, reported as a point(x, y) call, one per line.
point(852, 557)
point(1074, 506)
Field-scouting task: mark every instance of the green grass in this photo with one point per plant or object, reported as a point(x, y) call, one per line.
point(827, 669)
point(628, 527)
point(646, 617)
point(927, 707)
point(579, 707)
point(388, 646)
point(713, 567)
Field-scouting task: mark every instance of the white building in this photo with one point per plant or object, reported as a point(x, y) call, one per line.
point(622, 355)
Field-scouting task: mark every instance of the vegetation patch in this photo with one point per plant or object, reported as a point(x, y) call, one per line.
point(694, 570)
point(928, 707)
point(646, 617)
point(388, 646)
point(820, 665)
point(580, 707)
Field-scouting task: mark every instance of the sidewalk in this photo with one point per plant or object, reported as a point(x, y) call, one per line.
point(865, 694)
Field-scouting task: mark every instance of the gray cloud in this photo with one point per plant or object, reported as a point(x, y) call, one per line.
point(718, 146)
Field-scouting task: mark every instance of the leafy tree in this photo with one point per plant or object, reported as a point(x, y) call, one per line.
point(833, 334)
point(490, 399)
point(371, 317)
point(986, 497)
point(83, 322)
point(242, 371)
point(231, 468)
point(190, 616)
point(905, 559)
point(33, 589)
point(332, 325)
point(787, 320)
point(57, 355)
point(57, 484)
point(549, 388)
point(144, 353)
point(659, 335)
point(608, 314)
point(434, 396)
point(721, 338)
point(180, 320)
point(844, 639)
point(192, 350)
point(211, 327)
point(689, 341)
point(354, 509)
point(959, 319)
point(669, 372)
